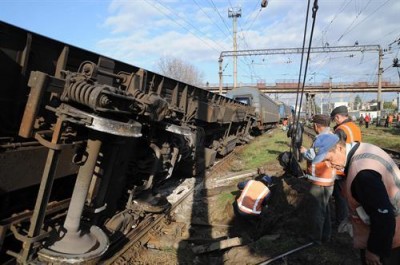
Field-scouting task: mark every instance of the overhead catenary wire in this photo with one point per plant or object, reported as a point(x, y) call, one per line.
point(301, 63)
point(341, 9)
point(247, 19)
point(190, 24)
point(219, 14)
point(348, 30)
point(352, 26)
point(354, 20)
point(251, 68)
point(183, 26)
point(248, 29)
point(227, 35)
point(314, 16)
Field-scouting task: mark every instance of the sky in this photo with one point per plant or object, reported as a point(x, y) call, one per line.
point(140, 32)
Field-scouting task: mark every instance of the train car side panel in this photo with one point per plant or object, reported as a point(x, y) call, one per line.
point(267, 111)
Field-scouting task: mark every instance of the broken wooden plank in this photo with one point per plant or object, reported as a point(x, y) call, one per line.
point(227, 243)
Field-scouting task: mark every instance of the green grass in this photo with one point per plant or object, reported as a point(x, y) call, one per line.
point(225, 198)
point(382, 137)
point(265, 149)
point(169, 250)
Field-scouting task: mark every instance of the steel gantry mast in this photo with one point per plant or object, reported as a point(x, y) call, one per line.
point(234, 13)
point(327, 49)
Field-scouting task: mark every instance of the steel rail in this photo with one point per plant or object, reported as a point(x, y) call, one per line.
point(152, 220)
point(148, 223)
point(286, 254)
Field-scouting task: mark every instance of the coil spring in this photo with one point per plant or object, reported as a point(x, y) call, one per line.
point(87, 94)
point(80, 92)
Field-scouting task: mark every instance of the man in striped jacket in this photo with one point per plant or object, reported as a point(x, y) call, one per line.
point(349, 132)
point(372, 191)
point(322, 179)
point(345, 128)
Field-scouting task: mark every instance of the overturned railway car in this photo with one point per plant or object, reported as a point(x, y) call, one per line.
point(267, 110)
point(82, 136)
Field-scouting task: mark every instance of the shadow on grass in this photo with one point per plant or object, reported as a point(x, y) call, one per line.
point(274, 152)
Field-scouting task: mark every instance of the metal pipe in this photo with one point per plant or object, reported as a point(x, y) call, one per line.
point(286, 253)
point(72, 221)
point(20, 144)
point(235, 176)
point(73, 239)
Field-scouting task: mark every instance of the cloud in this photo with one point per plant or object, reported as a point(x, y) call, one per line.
point(197, 31)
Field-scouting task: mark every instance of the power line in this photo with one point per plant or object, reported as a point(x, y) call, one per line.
point(348, 28)
point(181, 25)
point(219, 14)
point(367, 17)
point(325, 30)
point(202, 10)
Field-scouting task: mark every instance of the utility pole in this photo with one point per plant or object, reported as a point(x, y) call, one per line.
point(380, 70)
point(234, 13)
point(330, 94)
point(322, 104)
point(396, 64)
point(220, 76)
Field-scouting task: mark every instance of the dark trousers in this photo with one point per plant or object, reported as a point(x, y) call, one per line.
point(296, 152)
point(341, 208)
point(394, 258)
point(250, 217)
point(320, 213)
point(251, 221)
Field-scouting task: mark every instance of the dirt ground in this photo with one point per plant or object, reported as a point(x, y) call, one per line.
point(200, 229)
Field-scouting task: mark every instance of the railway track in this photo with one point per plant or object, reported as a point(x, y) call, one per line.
point(309, 132)
point(119, 251)
point(394, 154)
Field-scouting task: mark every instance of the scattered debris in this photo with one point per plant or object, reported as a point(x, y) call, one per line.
point(228, 243)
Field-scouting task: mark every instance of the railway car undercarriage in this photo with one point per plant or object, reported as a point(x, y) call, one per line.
point(126, 133)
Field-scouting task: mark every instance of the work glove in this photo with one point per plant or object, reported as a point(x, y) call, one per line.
point(346, 227)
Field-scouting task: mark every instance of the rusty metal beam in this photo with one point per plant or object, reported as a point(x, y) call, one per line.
point(341, 88)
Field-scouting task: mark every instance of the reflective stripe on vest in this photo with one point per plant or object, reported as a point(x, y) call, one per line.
point(352, 131)
point(370, 157)
point(321, 174)
point(253, 194)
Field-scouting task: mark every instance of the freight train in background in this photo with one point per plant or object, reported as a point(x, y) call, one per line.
point(82, 136)
point(268, 112)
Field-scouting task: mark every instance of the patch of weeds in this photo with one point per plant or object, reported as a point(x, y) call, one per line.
point(170, 250)
point(237, 165)
point(264, 149)
point(382, 137)
point(225, 198)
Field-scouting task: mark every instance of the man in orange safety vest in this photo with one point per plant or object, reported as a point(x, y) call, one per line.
point(322, 179)
point(254, 196)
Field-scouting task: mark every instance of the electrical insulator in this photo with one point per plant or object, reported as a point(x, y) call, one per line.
point(264, 3)
point(396, 62)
